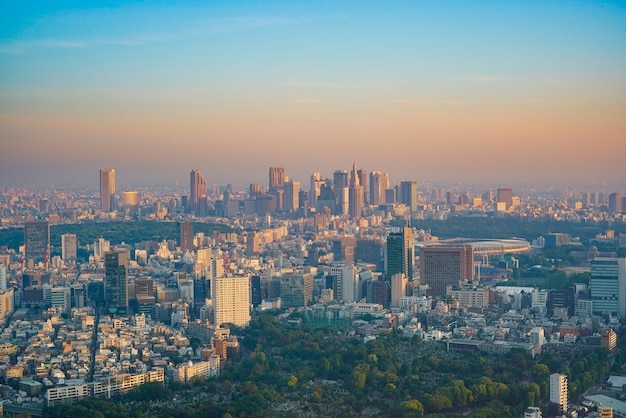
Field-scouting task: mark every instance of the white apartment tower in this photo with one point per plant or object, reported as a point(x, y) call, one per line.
point(558, 391)
point(231, 300)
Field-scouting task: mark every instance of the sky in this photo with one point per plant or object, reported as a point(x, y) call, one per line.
point(432, 91)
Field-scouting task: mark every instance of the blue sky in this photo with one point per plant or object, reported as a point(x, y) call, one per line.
point(154, 89)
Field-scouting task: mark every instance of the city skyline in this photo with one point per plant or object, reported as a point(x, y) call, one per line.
point(428, 91)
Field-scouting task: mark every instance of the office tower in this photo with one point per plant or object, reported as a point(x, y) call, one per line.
point(408, 195)
point(399, 254)
point(615, 202)
point(116, 281)
point(256, 296)
point(296, 289)
point(315, 188)
point(558, 392)
point(537, 336)
point(371, 250)
point(398, 288)
point(95, 292)
point(390, 195)
point(36, 242)
point(277, 178)
point(107, 189)
point(198, 192)
point(355, 194)
point(186, 236)
point(68, 247)
point(442, 266)
point(343, 200)
point(363, 180)
point(292, 189)
point(231, 300)
point(255, 189)
point(343, 249)
point(340, 179)
point(345, 283)
point(505, 195)
point(130, 203)
point(379, 183)
point(608, 285)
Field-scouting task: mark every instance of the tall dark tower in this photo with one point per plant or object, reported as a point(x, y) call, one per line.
point(116, 281)
point(399, 257)
point(186, 236)
point(408, 195)
point(36, 242)
point(107, 189)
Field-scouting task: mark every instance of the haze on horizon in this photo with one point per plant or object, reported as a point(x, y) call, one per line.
point(505, 92)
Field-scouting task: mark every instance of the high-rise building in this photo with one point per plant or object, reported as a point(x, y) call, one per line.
point(379, 183)
point(277, 178)
point(315, 188)
point(198, 192)
point(608, 285)
point(399, 255)
point(345, 283)
point(355, 194)
point(36, 242)
point(3, 277)
point(68, 247)
point(290, 198)
point(558, 392)
point(340, 179)
point(362, 173)
point(107, 189)
point(186, 236)
point(615, 202)
point(343, 249)
point(116, 281)
point(231, 300)
point(408, 194)
point(398, 288)
point(256, 295)
point(441, 266)
point(505, 195)
point(296, 289)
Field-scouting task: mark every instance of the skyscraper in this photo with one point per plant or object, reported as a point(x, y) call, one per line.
point(107, 189)
point(608, 285)
point(36, 242)
point(292, 189)
point(116, 281)
point(442, 266)
point(276, 178)
point(399, 255)
point(379, 182)
point(314, 190)
point(355, 194)
point(408, 194)
point(186, 236)
point(198, 191)
point(68, 247)
point(505, 195)
point(615, 202)
point(231, 300)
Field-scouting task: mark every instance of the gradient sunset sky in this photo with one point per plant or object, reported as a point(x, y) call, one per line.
point(504, 92)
